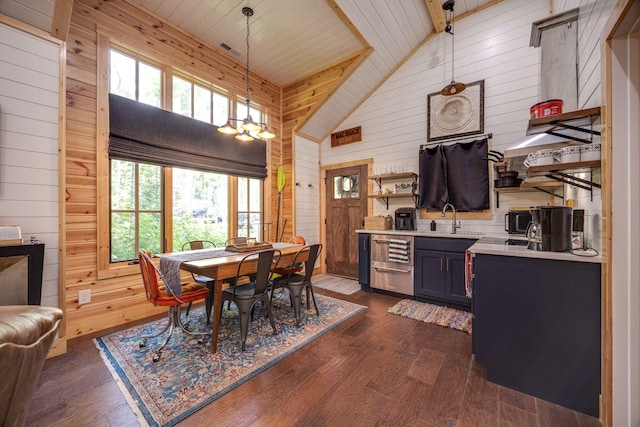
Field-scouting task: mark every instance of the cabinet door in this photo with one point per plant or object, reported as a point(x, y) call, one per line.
point(429, 273)
point(454, 287)
point(364, 260)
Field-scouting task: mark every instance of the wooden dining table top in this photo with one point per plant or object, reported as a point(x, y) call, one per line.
point(226, 266)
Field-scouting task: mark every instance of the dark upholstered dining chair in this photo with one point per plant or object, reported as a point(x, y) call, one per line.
point(163, 296)
point(295, 283)
point(246, 295)
point(203, 280)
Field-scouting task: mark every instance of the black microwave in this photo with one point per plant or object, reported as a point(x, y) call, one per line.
point(516, 222)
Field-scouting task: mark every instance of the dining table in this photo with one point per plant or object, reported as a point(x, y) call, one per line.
point(220, 264)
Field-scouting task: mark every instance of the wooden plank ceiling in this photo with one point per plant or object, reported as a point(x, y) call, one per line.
point(292, 39)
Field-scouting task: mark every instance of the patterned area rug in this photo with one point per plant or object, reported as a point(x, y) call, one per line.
point(189, 376)
point(431, 313)
point(341, 285)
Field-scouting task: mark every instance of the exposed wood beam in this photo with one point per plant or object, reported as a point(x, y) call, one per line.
point(61, 19)
point(437, 15)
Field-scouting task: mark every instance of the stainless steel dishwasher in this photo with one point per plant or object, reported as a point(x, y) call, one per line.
point(392, 263)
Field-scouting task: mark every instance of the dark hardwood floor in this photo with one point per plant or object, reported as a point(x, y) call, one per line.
point(376, 369)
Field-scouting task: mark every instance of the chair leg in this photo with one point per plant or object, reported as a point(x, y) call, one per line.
point(313, 297)
point(183, 326)
point(266, 301)
point(295, 292)
point(243, 313)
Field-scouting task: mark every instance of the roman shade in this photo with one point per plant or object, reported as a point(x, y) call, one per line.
point(143, 133)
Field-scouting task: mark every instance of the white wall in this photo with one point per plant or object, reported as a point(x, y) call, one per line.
point(491, 45)
point(625, 253)
point(307, 189)
point(29, 104)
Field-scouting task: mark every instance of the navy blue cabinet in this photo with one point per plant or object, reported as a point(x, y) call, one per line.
point(536, 327)
point(439, 270)
point(364, 261)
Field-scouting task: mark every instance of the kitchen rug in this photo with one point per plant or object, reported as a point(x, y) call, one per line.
point(432, 313)
point(339, 284)
point(189, 376)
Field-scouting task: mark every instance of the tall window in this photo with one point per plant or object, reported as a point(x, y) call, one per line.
point(136, 188)
point(250, 208)
point(159, 211)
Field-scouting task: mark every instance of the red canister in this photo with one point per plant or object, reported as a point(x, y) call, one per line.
point(546, 108)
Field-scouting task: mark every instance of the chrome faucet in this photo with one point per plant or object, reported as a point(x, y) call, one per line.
point(454, 226)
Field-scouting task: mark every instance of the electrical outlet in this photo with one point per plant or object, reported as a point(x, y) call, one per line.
point(84, 297)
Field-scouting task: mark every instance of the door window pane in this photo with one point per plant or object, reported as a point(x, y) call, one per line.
point(346, 187)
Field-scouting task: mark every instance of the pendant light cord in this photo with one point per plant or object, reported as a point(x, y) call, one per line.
point(247, 100)
point(453, 39)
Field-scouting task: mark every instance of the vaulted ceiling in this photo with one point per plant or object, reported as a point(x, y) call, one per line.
point(292, 39)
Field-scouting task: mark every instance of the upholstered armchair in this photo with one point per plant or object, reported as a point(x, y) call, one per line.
point(26, 335)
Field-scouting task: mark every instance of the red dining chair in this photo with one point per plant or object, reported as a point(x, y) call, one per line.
point(163, 296)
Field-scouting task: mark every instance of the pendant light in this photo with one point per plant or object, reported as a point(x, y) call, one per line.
point(453, 88)
point(248, 125)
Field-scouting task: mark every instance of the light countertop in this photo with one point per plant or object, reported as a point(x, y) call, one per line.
point(493, 245)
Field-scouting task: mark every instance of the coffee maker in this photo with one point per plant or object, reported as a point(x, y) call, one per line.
point(405, 219)
point(550, 228)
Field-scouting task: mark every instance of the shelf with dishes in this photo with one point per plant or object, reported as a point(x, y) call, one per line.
point(565, 173)
point(403, 190)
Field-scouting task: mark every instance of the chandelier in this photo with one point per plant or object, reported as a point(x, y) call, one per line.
point(452, 88)
point(248, 125)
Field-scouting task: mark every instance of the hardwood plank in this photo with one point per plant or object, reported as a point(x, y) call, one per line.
point(367, 371)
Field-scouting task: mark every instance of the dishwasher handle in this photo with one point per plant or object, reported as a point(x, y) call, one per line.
point(395, 270)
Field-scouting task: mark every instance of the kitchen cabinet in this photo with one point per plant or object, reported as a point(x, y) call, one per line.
point(439, 270)
point(536, 327)
point(364, 261)
point(395, 177)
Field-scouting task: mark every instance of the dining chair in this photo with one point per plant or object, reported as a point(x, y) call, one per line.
point(236, 240)
point(203, 280)
point(245, 296)
point(163, 296)
point(295, 283)
point(293, 267)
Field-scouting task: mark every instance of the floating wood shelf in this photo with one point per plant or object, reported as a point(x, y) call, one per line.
point(394, 176)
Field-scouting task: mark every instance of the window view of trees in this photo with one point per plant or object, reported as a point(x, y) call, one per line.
point(136, 208)
point(200, 207)
point(199, 201)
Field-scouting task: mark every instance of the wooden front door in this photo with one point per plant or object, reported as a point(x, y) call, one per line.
point(347, 192)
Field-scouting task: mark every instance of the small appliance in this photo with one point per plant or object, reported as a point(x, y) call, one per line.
point(516, 221)
point(550, 228)
point(405, 219)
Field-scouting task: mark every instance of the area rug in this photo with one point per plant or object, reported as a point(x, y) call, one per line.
point(341, 285)
point(189, 376)
point(431, 313)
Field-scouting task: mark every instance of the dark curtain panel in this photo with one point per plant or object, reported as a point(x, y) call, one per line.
point(455, 174)
point(143, 133)
point(432, 185)
point(467, 176)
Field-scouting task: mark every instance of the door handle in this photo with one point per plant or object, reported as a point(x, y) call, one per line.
point(447, 264)
point(440, 264)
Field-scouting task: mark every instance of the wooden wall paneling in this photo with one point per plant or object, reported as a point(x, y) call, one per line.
point(117, 295)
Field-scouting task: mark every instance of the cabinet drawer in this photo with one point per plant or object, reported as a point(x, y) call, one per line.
point(443, 244)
